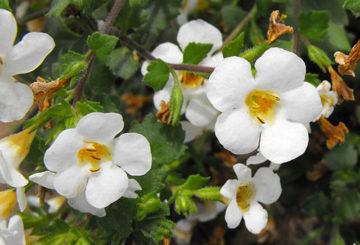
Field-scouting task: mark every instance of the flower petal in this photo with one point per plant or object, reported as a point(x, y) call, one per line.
point(15, 100)
point(63, 152)
point(132, 187)
point(283, 141)
point(255, 218)
point(80, 203)
point(233, 215)
point(100, 127)
point(168, 52)
point(256, 159)
point(133, 154)
point(301, 104)
point(267, 184)
point(279, 70)
point(10, 174)
point(71, 182)
point(199, 111)
point(29, 53)
point(21, 198)
point(106, 186)
point(45, 179)
point(17, 229)
point(243, 173)
point(230, 83)
point(163, 94)
point(8, 30)
point(191, 131)
point(229, 189)
point(199, 31)
point(236, 132)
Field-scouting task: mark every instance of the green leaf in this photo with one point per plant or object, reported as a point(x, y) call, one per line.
point(253, 53)
point(158, 74)
point(58, 7)
point(346, 205)
point(317, 205)
point(100, 80)
point(194, 53)
point(194, 182)
point(119, 217)
point(256, 35)
point(122, 63)
point(153, 180)
point(341, 157)
point(150, 203)
point(4, 4)
point(353, 6)
point(102, 45)
point(312, 237)
point(314, 24)
point(234, 47)
point(166, 142)
point(318, 56)
point(337, 239)
point(312, 78)
point(337, 37)
point(71, 64)
point(128, 17)
point(232, 15)
point(176, 101)
point(138, 2)
point(88, 106)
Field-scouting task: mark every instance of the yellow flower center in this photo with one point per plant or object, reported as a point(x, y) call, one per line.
point(7, 203)
point(262, 105)
point(93, 154)
point(191, 80)
point(327, 100)
point(244, 195)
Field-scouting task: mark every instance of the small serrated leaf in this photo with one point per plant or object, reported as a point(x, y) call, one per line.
point(314, 24)
point(194, 53)
point(234, 47)
point(194, 182)
point(158, 74)
point(102, 45)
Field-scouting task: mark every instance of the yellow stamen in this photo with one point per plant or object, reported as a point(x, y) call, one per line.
point(262, 105)
point(244, 195)
point(7, 203)
point(191, 80)
point(94, 154)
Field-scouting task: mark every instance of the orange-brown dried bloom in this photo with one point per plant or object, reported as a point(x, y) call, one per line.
point(217, 237)
point(134, 102)
point(277, 27)
point(347, 63)
point(335, 134)
point(319, 171)
point(269, 233)
point(163, 114)
point(43, 91)
point(228, 158)
point(339, 86)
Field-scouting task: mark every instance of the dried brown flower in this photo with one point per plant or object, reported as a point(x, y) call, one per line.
point(163, 114)
point(347, 63)
point(339, 86)
point(269, 233)
point(277, 27)
point(228, 158)
point(217, 237)
point(335, 134)
point(319, 171)
point(134, 102)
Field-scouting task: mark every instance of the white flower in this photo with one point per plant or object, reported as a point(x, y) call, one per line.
point(87, 164)
point(328, 99)
point(55, 203)
point(13, 232)
point(192, 131)
point(17, 98)
point(245, 192)
point(269, 110)
point(196, 106)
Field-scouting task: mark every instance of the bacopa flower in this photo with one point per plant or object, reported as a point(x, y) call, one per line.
point(328, 99)
point(13, 232)
point(269, 110)
point(88, 165)
point(245, 192)
point(17, 98)
point(196, 106)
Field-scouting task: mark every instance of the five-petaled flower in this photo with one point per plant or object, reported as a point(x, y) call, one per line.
point(266, 111)
point(244, 194)
point(196, 106)
point(17, 98)
point(87, 164)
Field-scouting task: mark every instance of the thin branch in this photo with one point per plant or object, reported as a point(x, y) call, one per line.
point(112, 15)
point(32, 16)
point(240, 26)
point(81, 84)
point(297, 7)
point(194, 68)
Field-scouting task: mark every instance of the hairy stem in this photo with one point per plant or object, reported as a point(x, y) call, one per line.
point(112, 15)
point(297, 7)
point(240, 26)
point(81, 84)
